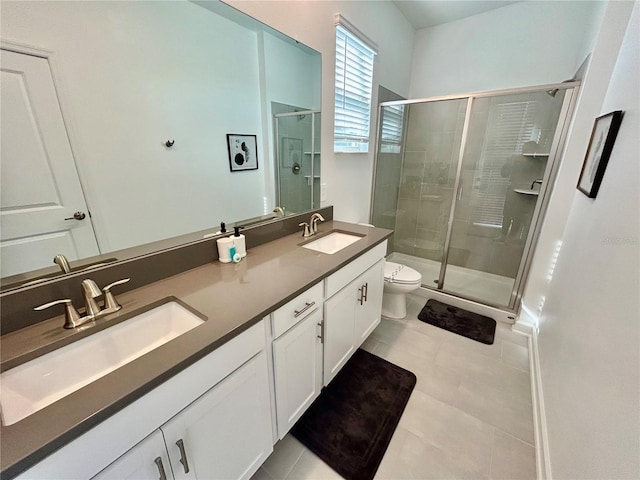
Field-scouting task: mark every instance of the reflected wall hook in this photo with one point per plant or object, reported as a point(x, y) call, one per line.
point(169, 143)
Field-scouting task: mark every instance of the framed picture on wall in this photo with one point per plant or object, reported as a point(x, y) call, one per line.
point(603, 136)
point(291, 152)
point(243, 152)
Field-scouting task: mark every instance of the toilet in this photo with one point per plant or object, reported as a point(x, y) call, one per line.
point(398, 281)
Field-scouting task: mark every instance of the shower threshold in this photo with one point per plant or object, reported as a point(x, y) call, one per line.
point(480, 286)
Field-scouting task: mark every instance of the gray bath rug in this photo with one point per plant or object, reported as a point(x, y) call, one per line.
point(462, 322)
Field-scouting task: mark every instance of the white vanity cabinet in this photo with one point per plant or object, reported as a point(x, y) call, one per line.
point(147, 460)
point(297, 357)
point(353, 308)
point(219, 407)
point(225, 434)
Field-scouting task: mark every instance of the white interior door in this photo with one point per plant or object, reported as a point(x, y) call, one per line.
point(40, 184)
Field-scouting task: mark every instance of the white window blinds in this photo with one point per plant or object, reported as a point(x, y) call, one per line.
point(391, 128)
point(354, 78)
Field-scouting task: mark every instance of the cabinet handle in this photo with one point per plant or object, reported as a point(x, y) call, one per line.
point(321, 336)
point(307, 306)
point(361, 291)
point(365, 290)
point(183, 456)
point(163, 476)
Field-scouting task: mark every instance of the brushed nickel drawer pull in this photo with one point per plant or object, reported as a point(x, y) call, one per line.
point(361, 292)
point(183, 455)
point(365, 290)
point(163, 475)
point(307, 306)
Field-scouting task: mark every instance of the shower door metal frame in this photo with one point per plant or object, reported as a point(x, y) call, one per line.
point(277, 149)
point(551, 170)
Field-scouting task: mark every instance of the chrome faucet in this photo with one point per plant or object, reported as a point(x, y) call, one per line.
point(307, 231)
point(315, 218)
point(536, 181)
point(279, 211)
point(90, 291)
point(62, 262)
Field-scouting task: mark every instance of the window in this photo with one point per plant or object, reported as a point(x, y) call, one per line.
point(391, 128)
point(354, 79)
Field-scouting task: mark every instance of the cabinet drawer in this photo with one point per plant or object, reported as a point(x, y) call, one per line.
point(346, 274)
point(295, 310)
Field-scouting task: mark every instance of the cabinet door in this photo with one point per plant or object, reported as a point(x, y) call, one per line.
point(369, 306)
point(339, 316)
point(226, 433)
point(297, 362)
point(147, 460)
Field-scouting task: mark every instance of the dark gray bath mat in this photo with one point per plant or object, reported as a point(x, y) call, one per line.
point(471, 325)
point(351, 423)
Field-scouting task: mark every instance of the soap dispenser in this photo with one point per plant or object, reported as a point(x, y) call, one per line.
point(239, 241)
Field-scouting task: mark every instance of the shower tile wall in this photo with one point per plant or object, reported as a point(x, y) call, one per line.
point(434, 133)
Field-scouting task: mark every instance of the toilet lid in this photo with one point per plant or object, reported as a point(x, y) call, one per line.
point(398, 273)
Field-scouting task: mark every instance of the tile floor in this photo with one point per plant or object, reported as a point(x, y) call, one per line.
point(470, 415)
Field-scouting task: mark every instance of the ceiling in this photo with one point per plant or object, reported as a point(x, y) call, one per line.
point(428, 13)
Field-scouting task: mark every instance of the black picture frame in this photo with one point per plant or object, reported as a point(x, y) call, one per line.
point(603, 136)
point(243, 152)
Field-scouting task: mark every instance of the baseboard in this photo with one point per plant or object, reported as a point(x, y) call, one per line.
point(543, 462)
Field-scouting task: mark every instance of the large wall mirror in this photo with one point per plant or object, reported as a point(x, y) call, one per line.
point(120, 127)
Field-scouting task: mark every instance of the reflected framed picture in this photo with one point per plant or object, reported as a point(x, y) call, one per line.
point(291, 152)
point(603, 136)
point(243, 152)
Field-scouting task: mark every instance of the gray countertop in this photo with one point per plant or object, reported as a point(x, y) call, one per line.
point(233, 297)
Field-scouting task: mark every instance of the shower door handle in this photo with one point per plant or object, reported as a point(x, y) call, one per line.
point(460, 192)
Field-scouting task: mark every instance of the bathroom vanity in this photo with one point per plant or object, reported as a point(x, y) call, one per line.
point(211, 402)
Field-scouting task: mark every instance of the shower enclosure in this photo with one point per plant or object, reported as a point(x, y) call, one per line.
point(464, 182)
point(297, 145)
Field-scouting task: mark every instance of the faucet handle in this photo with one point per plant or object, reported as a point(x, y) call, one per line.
point(307, 231)
point(110, 302)
point(71, 315)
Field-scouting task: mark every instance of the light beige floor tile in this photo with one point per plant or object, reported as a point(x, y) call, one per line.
point(310, 467)
point(438, 382)
point(512, 459)
point(496, 407)
point(515, 356)
point(408, 457)
point(369, 344)
point(463, 440)
point(504, 332)
point(261, 474)
point(285, 455)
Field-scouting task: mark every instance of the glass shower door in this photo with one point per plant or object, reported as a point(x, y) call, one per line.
point(417, 160)
point(504, 168)
point(298, 160)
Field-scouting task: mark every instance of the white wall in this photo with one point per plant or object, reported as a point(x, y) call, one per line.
point(133, 75)
point(522, 44)
point(348, 176)
point(590, 324)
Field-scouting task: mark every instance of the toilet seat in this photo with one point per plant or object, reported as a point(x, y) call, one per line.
point(401, 274)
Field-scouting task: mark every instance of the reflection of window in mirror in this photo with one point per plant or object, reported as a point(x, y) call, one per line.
point(355, 54)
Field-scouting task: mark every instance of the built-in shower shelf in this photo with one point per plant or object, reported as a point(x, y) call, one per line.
point(535, 155)
point(527, 192)
point(309, 153)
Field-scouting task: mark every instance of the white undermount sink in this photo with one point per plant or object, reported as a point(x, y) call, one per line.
point(332, 243)
point(33, 385)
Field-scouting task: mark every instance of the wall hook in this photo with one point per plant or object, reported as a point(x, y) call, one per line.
point(169, 143)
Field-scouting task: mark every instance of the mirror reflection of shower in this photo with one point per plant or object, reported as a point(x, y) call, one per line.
point(297, 145)
point(462, 182)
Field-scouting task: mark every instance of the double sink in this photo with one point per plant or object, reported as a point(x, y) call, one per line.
point(38, 383)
